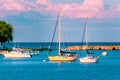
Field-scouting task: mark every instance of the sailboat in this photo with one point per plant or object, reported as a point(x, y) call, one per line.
point(88, 58)
point(62, 55)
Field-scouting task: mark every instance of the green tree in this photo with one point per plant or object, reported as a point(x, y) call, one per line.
point(6, 31)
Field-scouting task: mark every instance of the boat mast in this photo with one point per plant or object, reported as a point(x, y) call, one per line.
point(86, 36)
point(86, 33)
point(59, 34)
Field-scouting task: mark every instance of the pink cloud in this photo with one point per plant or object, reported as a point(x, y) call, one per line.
point(89, 8)
point(12, 5)
point(113, 11)
point(43, 2)
point(84, 10)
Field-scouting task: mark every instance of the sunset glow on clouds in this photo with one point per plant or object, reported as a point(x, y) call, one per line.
point(89, 8)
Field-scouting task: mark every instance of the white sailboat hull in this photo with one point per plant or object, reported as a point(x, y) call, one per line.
point(16, 55)
point(88, 59)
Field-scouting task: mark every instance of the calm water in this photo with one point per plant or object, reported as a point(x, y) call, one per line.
point(40, 68)
point(46, 44)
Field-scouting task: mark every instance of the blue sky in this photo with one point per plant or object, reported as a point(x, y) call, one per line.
point(34, 20)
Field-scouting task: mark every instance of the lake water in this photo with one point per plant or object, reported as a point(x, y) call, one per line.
point(40, 68)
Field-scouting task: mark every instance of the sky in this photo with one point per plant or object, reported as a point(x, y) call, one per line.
point(35, 20)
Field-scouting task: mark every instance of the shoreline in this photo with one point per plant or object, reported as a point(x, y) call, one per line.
point(95, 47)
point(90, 47)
